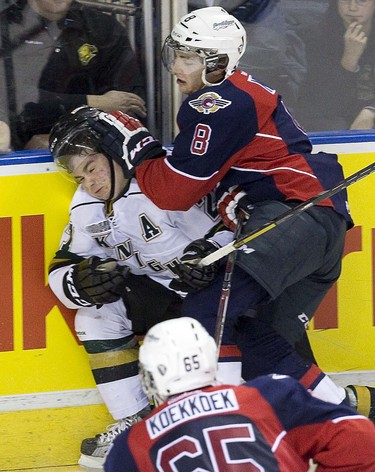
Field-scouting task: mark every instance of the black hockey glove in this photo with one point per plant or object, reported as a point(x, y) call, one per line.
point(126, 140)
point(192, 277)
point(231, 203)
point(95, 281)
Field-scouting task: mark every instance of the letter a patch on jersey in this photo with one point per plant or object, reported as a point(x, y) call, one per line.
point(149, 229)
point(209, 102)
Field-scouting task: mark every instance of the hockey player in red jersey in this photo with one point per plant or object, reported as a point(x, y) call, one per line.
point(237, 137)
point(270, 423)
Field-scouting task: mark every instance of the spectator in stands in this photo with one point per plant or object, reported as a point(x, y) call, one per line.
point(339, 89)
point(274, 53)
point(4, 138)
point(61, 54)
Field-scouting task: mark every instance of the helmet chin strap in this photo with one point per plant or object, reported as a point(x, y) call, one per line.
point(207, 83)
point(211, 84)
point(113, 181)
point(112, 170)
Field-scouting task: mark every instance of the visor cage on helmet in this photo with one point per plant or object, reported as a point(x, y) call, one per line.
point(77, 145)
point(149, 386)
point(209, 57)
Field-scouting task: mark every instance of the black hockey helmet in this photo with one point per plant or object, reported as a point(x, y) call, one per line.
point(79, 134)
point(88, 130)
point(74, 136)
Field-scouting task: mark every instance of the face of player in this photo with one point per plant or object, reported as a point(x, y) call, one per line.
point(53, 10)
point(356, 11)
point(94, 174)
point(187, 68)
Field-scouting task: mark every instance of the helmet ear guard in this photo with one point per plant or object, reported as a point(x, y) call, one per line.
point(218, 62)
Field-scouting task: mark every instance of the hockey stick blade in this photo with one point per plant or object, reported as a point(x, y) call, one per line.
point(297, 210)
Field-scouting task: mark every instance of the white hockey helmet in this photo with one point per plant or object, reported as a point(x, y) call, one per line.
point(212, 33)
point(176, 356)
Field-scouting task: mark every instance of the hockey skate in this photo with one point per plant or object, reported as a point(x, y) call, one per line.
point(362, 399)
point(94, 450)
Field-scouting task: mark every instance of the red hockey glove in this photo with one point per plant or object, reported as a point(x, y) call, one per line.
point(231, 202)
point(126, 140)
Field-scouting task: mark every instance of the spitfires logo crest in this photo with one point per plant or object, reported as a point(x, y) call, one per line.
point(209, 102)
point(87, 52)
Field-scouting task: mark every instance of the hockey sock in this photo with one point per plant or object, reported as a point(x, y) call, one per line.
point(362, 399)
point(114, 364)
point(229, 368)
point(321, 386)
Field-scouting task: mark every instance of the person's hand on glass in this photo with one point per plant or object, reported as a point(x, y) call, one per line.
point(114, 100)
point(37, 141)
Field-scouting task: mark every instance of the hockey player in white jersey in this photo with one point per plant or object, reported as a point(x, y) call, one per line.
point(116, 246)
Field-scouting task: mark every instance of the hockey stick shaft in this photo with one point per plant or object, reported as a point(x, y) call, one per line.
point(297, 210)
point(225, 290)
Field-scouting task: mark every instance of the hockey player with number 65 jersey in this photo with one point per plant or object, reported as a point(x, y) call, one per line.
point(269, 424)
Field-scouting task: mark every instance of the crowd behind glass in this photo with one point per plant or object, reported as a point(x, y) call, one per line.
point(56, 55)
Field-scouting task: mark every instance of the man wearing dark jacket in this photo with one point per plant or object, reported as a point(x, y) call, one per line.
point(60, 55)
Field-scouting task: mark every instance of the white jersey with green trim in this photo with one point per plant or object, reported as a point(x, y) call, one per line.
point(136, 233)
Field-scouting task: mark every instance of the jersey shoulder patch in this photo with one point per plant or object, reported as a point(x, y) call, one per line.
point(209, 102)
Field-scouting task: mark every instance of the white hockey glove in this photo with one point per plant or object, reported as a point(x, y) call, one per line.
point(192, 277)
point(126, 140)
point(95, 281)
point(231, 203)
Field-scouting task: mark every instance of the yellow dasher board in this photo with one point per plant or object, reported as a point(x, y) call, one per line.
point(343, 330)
point(37, 331)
